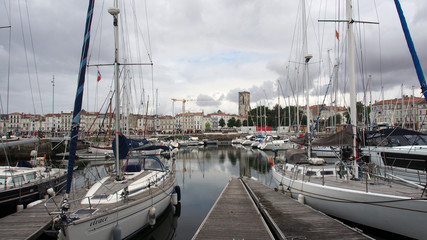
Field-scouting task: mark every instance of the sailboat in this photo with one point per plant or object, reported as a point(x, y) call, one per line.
point(340, 190)
point(129, 199)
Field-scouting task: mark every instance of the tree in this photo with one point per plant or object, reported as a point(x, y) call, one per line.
point(238, 123)
point(221, 122)
point(338, 118)
point(303, 120)
point(208, 126)
point(231, 122)
point(347, 116)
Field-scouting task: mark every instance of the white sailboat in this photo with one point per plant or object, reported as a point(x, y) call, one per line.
point(126, 201)
point(339, 190)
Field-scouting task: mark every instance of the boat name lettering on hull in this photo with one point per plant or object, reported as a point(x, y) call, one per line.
point(99, 220)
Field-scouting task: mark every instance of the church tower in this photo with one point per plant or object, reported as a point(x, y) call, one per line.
point(244, 103)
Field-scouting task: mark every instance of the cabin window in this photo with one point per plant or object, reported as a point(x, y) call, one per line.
point(30, 177)
point(310, 173)
point(152, 164)
point(327, 172)
point(18, 179)
point(3, 181)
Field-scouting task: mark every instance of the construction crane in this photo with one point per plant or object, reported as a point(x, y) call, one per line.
point(183, 102)
point(187, 100)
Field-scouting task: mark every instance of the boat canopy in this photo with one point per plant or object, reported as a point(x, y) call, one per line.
point(392, 137)
point(342, 138)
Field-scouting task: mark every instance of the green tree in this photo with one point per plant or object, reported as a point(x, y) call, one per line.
point(338, 119)
point(347, 116)
point(303, 120)
point(221, 122)
point(231, 122)
point(238, 123)
point(208, 126)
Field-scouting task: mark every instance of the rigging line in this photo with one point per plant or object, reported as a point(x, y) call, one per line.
point(98, 29)
point(34, 56)
point(139, 59)
point(380, 50)
point(147, 48)
point(26, 56)
point(150, 54)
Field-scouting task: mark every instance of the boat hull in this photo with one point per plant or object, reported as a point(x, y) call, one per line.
point(395, 214)
point(9, 199)
point(131, 218)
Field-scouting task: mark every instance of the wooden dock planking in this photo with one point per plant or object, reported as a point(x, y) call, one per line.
point(234, 216)
point(31, 222)
point(295, 220)
point(27, 224)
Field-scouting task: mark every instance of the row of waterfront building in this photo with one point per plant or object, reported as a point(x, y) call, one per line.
point(408, 111)
point(91, 122)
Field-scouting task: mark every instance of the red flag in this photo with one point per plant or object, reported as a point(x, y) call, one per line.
point(99, 76)
point(337, 34)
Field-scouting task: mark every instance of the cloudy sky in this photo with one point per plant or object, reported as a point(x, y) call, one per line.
point(204, 51)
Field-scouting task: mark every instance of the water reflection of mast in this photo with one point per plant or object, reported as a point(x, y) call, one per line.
point(245, 169)
point(184, 169)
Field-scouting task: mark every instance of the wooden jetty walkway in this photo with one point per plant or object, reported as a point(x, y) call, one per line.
point(30, 223)
point(26, 224)
point(233, 216)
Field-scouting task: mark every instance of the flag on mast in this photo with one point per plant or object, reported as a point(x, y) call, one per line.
point(99, 76)
point(337, 34)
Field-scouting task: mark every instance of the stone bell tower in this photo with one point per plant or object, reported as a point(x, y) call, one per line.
point(244, 103)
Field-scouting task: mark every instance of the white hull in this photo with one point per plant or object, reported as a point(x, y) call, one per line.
point(276, 145)
point(106, 151)
point(155, 152)
point(130, 217)
point(406, 157)
point(325, 152)
point(391, 213)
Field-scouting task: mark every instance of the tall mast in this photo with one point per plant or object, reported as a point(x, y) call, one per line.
point(353, 114)
point(114, 11)
point(411, 47)
point(75, 125)
point(278, 106)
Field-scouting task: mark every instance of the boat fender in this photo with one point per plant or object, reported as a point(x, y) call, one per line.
point(301, 198)
point(51, 192)
point(32, 204)
point(61, 235)
point(177, 210)
point(33, 153)
point(178, 192)
point(117, 232)
point(19, 207)
point(152, 216)
point(280, 187)
point(174, 198)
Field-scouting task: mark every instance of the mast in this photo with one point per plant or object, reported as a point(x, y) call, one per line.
point(75, 125)
point(307, 59)
point(401, 111)
point(114, 11)
point(278, 106)
point(411, 47)
point(353, 114)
